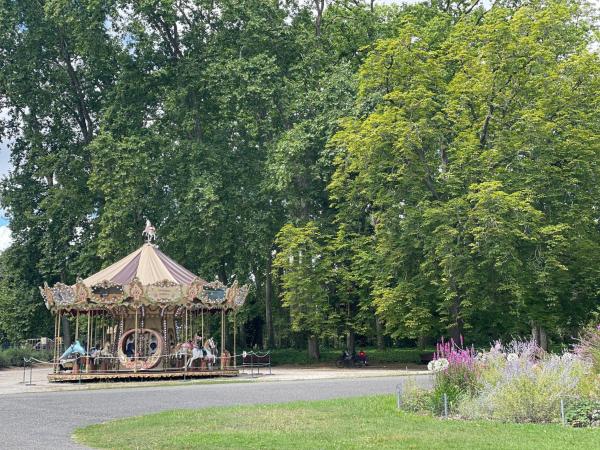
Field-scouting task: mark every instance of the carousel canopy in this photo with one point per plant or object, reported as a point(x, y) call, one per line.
point(146, 277)
point(148, 264)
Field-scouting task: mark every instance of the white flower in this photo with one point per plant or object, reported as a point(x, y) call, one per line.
point(567, 356)
point(483, 357)
point(512, 357)
point(440, 364)
point(430, 366)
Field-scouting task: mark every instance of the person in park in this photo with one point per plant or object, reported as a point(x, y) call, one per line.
point(362, 357)
point(346, 356)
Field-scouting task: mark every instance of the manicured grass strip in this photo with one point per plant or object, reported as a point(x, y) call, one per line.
point(359, 423)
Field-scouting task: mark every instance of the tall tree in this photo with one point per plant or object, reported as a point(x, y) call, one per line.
point(475, 160)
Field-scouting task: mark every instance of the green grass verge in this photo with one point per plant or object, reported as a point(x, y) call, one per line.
point(329, 356)
point(359, 423)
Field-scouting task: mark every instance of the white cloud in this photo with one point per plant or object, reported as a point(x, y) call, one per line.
point(5, 237)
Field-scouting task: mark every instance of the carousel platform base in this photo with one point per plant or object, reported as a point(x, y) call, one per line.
point(140, 376)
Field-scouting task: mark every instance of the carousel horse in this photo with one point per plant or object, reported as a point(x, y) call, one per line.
point(181, 351)
point(97, 354)
point(208, 352)
point(67, 357)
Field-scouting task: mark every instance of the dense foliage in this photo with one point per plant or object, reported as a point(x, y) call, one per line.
point(18, 356)
point(370, 170)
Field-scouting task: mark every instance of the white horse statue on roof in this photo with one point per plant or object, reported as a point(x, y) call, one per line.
point(149, 232)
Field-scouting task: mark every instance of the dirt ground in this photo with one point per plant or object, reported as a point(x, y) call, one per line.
point(11, 380)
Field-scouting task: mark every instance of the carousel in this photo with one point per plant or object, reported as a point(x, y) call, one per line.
point(144, 317)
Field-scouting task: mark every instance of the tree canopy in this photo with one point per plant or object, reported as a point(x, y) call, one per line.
point(371, 169)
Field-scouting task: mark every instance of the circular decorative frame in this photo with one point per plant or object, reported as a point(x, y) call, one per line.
point(141, 364)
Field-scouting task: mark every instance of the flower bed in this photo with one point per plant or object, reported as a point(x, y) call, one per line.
point(515, 382)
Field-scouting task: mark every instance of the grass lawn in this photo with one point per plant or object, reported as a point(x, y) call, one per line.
point(367, 422)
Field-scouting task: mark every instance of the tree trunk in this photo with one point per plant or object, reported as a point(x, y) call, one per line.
point(268, 306)
point(421, 342)
point(456, 329)
point(538, 334)
point(242, 340)
point(379, 332)
point(66, 331)
point(319, 6)
point(351, 341)
point(543, 339)
point(455, 333)
point(313, 348)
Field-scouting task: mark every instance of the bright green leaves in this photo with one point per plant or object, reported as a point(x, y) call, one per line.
point(475, 164)
point(304, 279)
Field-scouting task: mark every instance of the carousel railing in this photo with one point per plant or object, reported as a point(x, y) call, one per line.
point(83, 365)
point(254, 361)
point(172, 362)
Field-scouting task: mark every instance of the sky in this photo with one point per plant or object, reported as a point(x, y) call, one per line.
point(5, 234)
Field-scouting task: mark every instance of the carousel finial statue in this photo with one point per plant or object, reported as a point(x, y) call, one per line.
point(149, 232)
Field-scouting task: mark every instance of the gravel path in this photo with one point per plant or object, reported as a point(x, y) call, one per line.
point(47, 420)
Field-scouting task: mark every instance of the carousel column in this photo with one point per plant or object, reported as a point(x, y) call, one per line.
point(185, 339)
point(135, 342)
point(163, 328)
point(222, 338)
point(55, 355)
point(234, 343)
point(87, 347)
point(94, 329)
point(59, 340)
point(77, 326)
point(76, 363)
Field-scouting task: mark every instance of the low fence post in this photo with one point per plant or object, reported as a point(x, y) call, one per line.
point(445, 405)
point(398, 396)
point(562, 412)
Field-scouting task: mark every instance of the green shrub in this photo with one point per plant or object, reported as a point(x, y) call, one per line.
point(526, 390)
point(329, 356)
point(15, 356)
point(453, 389)
point(4, 360)
point(589, 347)
point(583, 413)
point(416, 399)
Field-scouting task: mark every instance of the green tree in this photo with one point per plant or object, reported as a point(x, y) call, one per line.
point(56, 61)
point(303, 273)
point(475, 162)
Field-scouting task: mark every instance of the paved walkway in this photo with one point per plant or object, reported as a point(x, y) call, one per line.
point(11, 380)
point(46, 420)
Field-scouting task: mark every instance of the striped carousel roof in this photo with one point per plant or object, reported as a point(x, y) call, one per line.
point(148, 264)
